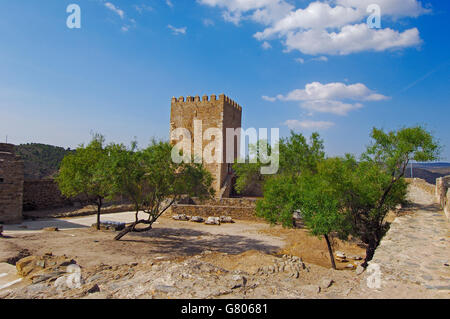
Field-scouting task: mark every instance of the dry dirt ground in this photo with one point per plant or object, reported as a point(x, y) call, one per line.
point(247, 259)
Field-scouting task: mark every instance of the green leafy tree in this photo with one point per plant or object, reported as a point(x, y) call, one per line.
point(315, 195)
point(128, 174)
point(297, 154)
point(154, 182)
point(87, 172)
point(378, 184)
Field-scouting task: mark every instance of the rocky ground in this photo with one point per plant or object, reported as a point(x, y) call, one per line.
point(241, 260)
point(193, 277)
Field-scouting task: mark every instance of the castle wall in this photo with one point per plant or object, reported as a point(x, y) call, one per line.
point(237, 208)
point(11, 185)
point(443, 194)
point(43, 194)
point(214, 112)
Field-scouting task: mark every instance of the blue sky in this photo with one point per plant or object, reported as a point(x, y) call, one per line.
point(303, 65)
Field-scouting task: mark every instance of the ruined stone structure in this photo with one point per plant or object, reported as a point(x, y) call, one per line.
point(221, 113)
point(443, 194)
point(11, 185)
point(237, 208)
point(44, 194)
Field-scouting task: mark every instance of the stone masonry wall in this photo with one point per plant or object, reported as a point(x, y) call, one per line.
point(237, 208)
point(43, 194)
point(221, 113)
point(443, 194)
point(11, 185)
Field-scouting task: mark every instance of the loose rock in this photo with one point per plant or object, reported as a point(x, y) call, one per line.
point(359, 270)
point(340, 254)
point(181, 217)
point(326, 283)
point(213, 221)
point(197, 219)
point(226, 219)
point(91, 289)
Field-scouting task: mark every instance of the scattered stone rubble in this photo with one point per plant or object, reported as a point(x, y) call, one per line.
point(213, 221)
point(208, 221)
point(292, 265)
point(341, 257)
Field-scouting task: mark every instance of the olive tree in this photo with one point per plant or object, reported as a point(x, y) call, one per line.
point(315, 195)
point(296, 154)
point(378, 184)
point(154, 182)
point(86, 172)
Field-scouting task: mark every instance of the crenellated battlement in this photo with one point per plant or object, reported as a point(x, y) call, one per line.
point(206, 98)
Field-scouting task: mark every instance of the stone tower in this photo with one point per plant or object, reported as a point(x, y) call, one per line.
point(221, 113)
point(11, 185)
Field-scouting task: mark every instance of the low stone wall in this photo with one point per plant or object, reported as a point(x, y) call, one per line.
point(443, 194)
point(237, 208)
point(423, 184)
point(44, 194)
point(238, 202)
point(215, 211)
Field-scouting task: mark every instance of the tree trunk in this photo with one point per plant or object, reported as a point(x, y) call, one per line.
point(132, 228)
point(99, 209)
point(330, 250)
point(125, 231)
point(370, 251)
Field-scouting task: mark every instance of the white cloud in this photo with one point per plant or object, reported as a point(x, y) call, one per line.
point(330, 106)
point(268, 98)
point(332, 91)
point(261, 11)
point(115, 9)
point(266, 45)
point(351, 39)
point(330, 98)
point(169, 3)
point(300, 60)
point(142, 8)
point(320, 59)
point(308, 125)
point(208, 22)
point(177, 31)
point(325, 27)
point(317, 15)
point(395, 8)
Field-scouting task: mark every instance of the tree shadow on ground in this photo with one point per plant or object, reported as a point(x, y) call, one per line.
point(433, 208)
point(187, 242)
point(28, 225)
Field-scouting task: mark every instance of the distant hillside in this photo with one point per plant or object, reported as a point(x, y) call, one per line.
point(40, 160)
point(432, 165)
point(426, 174)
